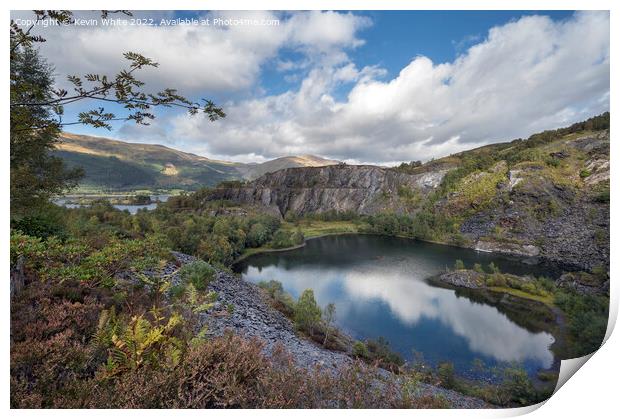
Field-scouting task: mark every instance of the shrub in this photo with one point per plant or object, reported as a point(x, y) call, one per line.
point(529, 288)
point(478, 268)
point(545, 284)
point(281, 300)
point(257, 236)
point(50, 353)
point(381, 352)
point(232, 372)
point(76, 260)
point(282, 239)
point(518, 387)
point(216, 249)
point(198, 273)
point(459, 264)
point(307, 312)
point(600, 274)
point(584, 173)
point(42, 226)
point(602, 194)
point(493, 268)
point(329, 314)
point(553, 161)
point(497, 280)
point(445, 372)
point(360, 350)
point(139, 343)
point(587, 318)
point(272, 287)
point(297, 237)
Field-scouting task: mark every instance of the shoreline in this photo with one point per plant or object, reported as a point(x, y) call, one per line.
point(259, 250)
point(542, 260)
point(555, 329)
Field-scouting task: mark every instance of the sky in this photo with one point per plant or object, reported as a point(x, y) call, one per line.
point(376, 87)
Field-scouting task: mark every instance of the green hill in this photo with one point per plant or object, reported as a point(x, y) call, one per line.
point(117, 165)
point(113, 165)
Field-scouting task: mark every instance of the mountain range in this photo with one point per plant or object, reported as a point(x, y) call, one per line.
point(115, 165)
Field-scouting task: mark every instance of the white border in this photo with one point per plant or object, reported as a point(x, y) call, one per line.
point(591, 393)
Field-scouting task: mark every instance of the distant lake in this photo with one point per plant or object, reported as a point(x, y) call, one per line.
point(133, 209)
point(378, 286)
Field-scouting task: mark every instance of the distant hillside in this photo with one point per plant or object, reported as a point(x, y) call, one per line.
point(118, 165)
point(253, 171)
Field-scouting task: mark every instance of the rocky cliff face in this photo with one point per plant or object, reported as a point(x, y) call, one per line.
point(360, 189)
point(539, 214)
point(548, 200)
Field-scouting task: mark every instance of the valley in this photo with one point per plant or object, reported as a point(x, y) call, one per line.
point(113, 166)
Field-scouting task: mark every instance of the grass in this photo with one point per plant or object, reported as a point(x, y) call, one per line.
point(547, 300)
point(312, 228)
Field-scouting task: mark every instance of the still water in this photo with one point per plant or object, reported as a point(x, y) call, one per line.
point(378, 286)
point(133, 209)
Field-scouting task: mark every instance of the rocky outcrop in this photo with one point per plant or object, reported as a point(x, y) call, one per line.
point(516, 249)
point(560, 220)
point(584, 283)
point(360, 189)
point(463, 278)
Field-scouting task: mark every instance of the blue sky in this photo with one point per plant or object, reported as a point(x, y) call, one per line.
point(396, 37)
point(375, 86)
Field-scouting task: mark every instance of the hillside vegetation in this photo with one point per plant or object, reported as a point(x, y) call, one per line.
point(113, 165)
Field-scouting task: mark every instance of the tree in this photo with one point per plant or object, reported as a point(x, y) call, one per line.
point(307, 312)
point(216, 249)
point(123, 88)
point(37, 108)
point(329, 313)
point(257, 236)
point(35, 173)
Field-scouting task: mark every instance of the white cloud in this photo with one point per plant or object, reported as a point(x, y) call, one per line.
point(200, 58)
point(525, 76)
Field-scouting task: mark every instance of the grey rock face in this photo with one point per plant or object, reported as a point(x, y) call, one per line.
point(361, 189)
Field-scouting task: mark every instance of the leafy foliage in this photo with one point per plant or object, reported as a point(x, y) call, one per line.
point(198, 273)
point(77, 261)
point(36, 175)
point(587, 318)
point(37, 109)
point(307, 312)
point(282, 300)
point(140, 343)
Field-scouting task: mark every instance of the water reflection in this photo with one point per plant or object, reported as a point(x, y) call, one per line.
point(133, 208)
point(378, 286)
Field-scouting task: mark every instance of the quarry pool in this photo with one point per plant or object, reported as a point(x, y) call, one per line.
point(378, 286)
